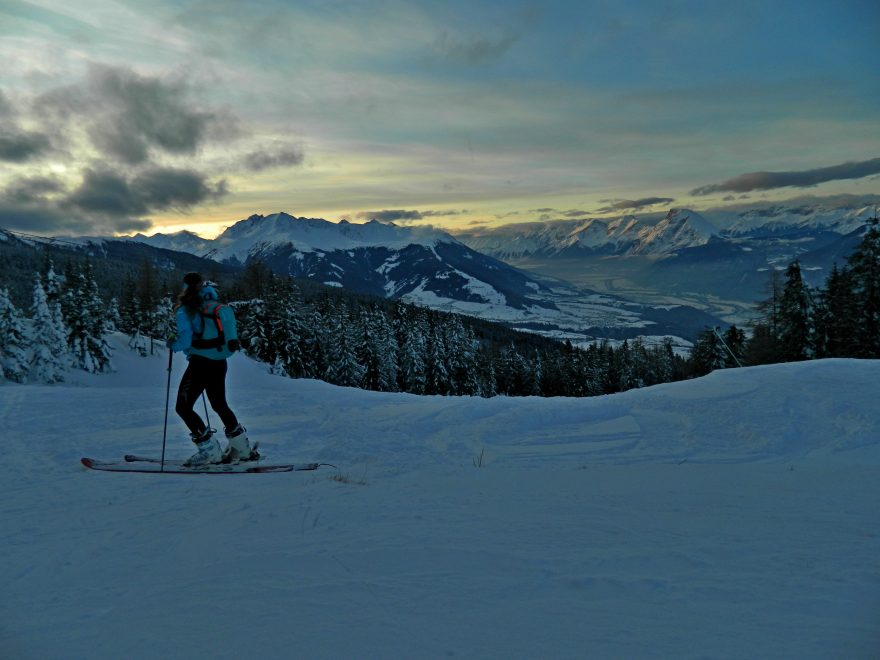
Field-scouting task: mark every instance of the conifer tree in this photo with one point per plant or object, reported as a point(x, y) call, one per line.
point(412, 371)
point(735, 346)
point(438, 378)
point(87, 324)
point(340, 345)
point(286, 327)
point(50, 358)
point(796, 318)
point(708, 353)
point(461, 357)
point(837, 315)
point(13, 341)
point(864, 267)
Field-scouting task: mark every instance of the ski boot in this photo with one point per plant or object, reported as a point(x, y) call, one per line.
point(239, 449)
point(208, 450)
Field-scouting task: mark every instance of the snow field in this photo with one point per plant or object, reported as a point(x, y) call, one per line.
point(728, 517)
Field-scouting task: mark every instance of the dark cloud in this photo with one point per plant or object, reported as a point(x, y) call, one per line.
point(391, 215)
point(634, 204)
point(39, 205)
point(797, 179)
point(575, 213)
point(107, 192)
point(6, 107)
point(106, 201)
point(474, 51)
point(279, 156)
point(27, 190)
point(140, 126)
point(19, 146)
point(137, 113)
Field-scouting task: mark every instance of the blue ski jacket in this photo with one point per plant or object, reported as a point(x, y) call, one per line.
point(210, 333)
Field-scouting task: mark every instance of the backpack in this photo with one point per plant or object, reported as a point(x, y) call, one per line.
point(218, 338)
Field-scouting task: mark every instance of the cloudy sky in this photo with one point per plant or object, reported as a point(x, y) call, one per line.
point(119, 116)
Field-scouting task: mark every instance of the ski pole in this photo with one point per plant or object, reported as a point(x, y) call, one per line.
point(167, 399)
point(207, 417)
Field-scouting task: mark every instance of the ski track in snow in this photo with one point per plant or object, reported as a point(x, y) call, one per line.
point(732, 516)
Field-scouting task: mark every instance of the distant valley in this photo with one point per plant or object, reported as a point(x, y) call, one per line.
point(716, 261)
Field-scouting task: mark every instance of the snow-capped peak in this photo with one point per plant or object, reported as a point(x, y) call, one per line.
point(181, 241)
point(311, 234)
point(681, 228)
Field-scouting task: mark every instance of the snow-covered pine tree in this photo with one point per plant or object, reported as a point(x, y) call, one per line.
point(513, 373)
point(437, 377)
point(367, 350)
point(377, 350)
point(114, 318)
point(164, 319)
point(387, 349)
point(49, 341)
point(340, 345)
point(87, 325)
point(461, 347)
point(286, 327)
point(486, 373)
point(53, 284)
point(864, 266)
point(255, 332)
point(13, 341)
point(410, 328)
point(130, 309)
point(412, 373)
point(796, 325)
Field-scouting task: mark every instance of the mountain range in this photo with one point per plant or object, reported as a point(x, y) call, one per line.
point(635, 275)
point(429, 267)
point(720, 261)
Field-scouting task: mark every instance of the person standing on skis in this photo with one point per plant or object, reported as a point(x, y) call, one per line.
point(207, 334)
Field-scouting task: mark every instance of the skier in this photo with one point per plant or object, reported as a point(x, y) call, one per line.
point(206, 333)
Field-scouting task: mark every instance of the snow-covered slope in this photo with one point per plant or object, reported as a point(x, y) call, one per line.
point(731, 516)
point(681, 228)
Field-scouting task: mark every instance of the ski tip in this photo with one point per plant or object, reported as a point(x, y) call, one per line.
point(88, 462)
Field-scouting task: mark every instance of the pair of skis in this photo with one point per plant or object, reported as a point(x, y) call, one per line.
point(150, 465)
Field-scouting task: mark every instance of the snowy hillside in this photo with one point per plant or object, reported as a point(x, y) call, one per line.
point(729, 517)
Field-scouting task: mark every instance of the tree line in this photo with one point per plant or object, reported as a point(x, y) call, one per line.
point(399, 347)
point(797, 322)
point(301, 330)
point(66, 328)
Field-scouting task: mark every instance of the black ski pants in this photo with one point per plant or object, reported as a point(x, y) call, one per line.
point(203, 375)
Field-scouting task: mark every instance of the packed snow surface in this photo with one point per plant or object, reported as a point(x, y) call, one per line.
point(734, 516)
